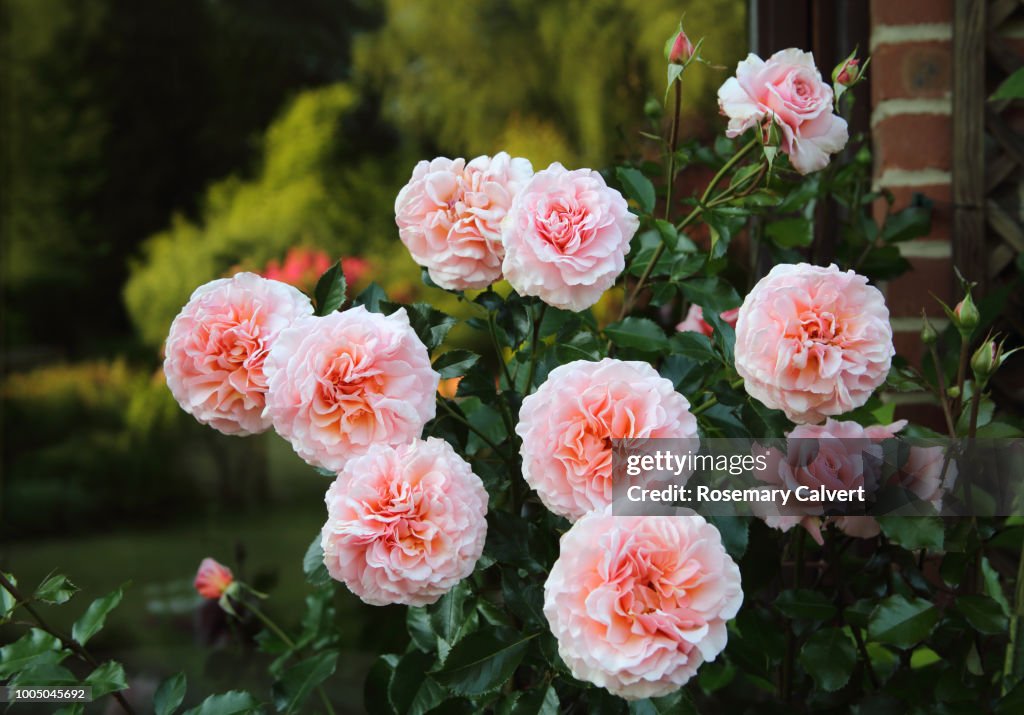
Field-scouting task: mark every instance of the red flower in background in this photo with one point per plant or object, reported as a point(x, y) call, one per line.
point(302, 267)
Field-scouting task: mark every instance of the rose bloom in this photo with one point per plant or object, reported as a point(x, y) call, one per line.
point(404, 524)
point(343, 382)
point(788, 90)
point(813, 342)
point(568, 424)
point(566, 237)
point(694, 321)
point(215, 352)
point(449, 216)
point(638, 603)
point(212, 579)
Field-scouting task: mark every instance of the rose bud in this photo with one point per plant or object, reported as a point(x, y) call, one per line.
point(847, 72)
point(681, 49)
point(928, 334)
point(966, 316)
point(213, 579)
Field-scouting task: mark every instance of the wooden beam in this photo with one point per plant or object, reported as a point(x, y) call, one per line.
point(969, 139)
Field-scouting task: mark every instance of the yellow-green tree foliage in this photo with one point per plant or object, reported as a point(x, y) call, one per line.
point(309, 191)
point(549, 80)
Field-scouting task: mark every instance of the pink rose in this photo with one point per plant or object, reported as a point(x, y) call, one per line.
point(681, 49)
point(788, 90)
point(449, 216)
point(638, 603)
point(340, 383)
point(813, 341)
point(694, 321)
point(217, 345)
point(212, 579)
point(404, 524)
point(566, 237)
point(922, 472)
point(568, 424)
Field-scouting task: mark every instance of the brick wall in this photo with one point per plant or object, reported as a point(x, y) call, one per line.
point(911, 122)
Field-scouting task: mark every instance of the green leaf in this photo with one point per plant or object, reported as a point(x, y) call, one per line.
point(537, 702)
point(95, 616)
point(56, 590)
point(668, 233)
point(640, 333)
point(375, 687)
point(106, 679)
point(483, 661)
point(735, 533)
point(805, 604)
point(828, 656)
point(330, 290)
point(902, 622)
point(371, 298)
point(296, 683)
point(411, 691)
point(448, 615)
point(169, 695)
point(912, 222)
point(1012, 87)
point(790, 232)
point(313, 564)
point(37, 647)
point(914, 532)
point(984, 614)
point(455, 363)
point(430, 324)
point(417, 622)
point(44, 674)
point(234, 702)
point(637, 187)
point(712, 294)
point(994, 585)
point(693, 345)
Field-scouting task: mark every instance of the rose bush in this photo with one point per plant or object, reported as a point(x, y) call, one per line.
point(488, 509)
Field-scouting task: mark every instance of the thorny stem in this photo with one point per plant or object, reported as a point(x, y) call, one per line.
point(537, 320)
point(69, 643)
point(961, 373)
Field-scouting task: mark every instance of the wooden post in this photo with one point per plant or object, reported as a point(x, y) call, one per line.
point(969, 139)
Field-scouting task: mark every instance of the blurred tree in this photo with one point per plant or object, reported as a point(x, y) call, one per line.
point(549, 80)
point(117, 113)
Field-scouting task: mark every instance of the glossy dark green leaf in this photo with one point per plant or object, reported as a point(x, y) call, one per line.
point(56, 590)
point(912, 222)
point(984, 614)
point(828, 656)
point(375, 687)
point(668, 232)
point(412, 692)
point(329, 295)
point(1011, 88)
point(483, 661)
point(448, 615)
point(711, 293)
point(95, 616)
point(371, 298)
point(677, 703)
point(637, 187)
point(169, 695)
point(296, 684)
point(640, 333)
point(805, 604)
point(692, 345)
point(37, 647)
point(107, 678)
point(914, 532)
point(790, 232)
point(902, 622)
point(455, 363)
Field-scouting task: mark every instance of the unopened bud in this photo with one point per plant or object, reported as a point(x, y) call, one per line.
point(679, 49)
point(966, 316)
point(985, 361)
point(847, 72)
point(770, 134)
point(953, 392)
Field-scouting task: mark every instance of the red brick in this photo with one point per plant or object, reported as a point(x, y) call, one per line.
point(914, 290)
point(910, 12)
point(911, 70)
point(914, 141)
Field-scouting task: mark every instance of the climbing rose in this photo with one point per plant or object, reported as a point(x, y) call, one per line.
point(404, 524)
point(787, 90)
point(449, 216)
point(217, 346)
point(638, 603)
point(340, 383)
point(567, 426)
point(566, 237)
point(813, 342)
